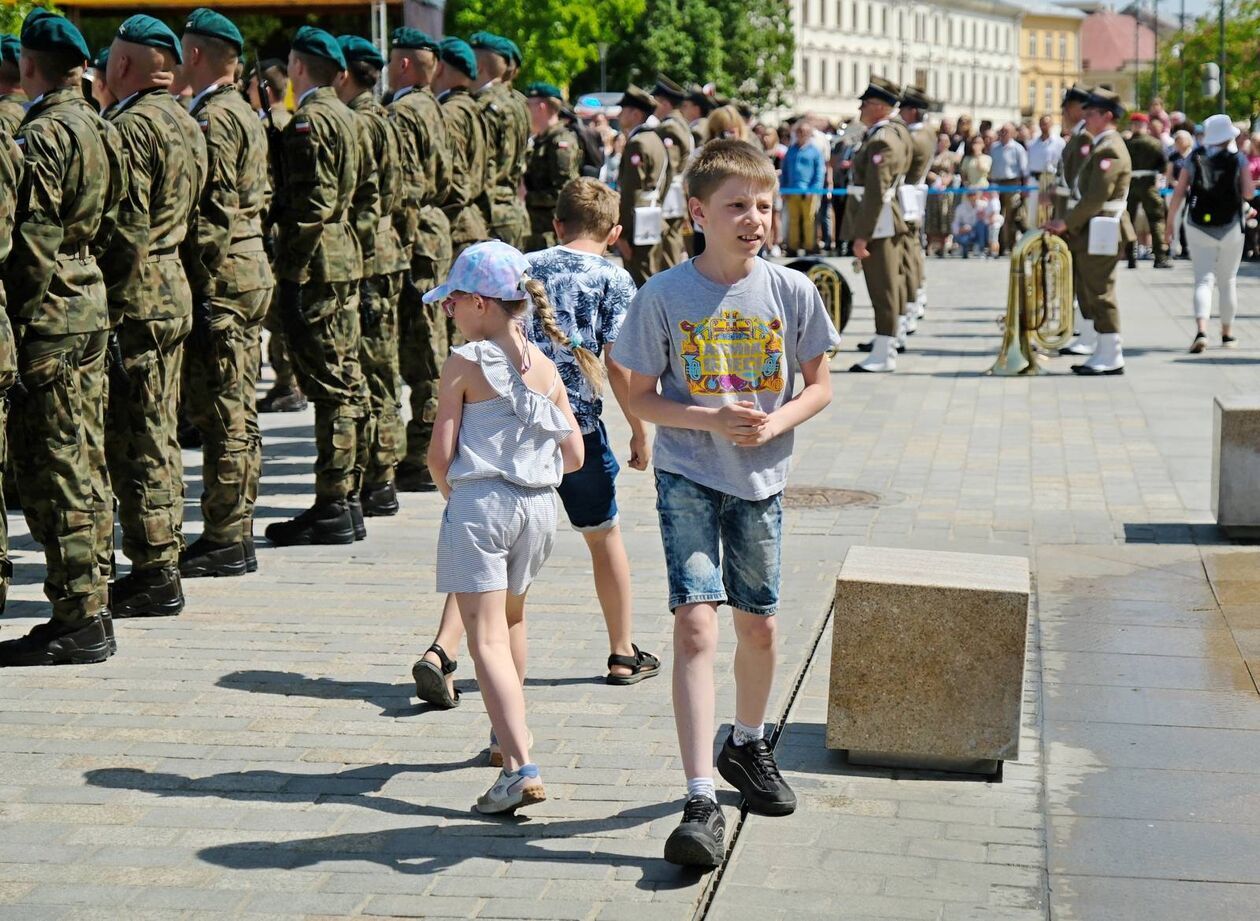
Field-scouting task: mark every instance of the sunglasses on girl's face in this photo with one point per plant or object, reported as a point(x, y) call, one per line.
point(448, 305)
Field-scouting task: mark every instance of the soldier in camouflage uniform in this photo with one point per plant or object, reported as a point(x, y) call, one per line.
point(516, 101)
point(507, 130)
point(231, 282)
point(383, 271)
point(468, 143)
point(676, 136)
point(319, 265)
point(150, 307)
point(68, 196)
point(644, 177)
point(425, 233)
point(554, 159)
point(10, 170)
point(13, 101)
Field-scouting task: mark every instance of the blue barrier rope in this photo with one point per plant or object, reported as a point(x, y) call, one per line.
point(1000, 189)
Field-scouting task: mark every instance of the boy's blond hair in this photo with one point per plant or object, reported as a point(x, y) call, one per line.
point(722, 160)
point(587, 208)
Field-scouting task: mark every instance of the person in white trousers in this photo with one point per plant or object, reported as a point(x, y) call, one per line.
point(1215, 179)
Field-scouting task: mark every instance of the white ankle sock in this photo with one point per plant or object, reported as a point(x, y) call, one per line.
point(745, 734)
point(701, 786)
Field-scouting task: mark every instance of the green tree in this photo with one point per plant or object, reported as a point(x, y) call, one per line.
point(1201, 45)
point(559, 38)
point(744, 48)
point(12, 13)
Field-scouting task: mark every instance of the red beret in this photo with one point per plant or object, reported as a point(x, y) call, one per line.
point(1139, 117)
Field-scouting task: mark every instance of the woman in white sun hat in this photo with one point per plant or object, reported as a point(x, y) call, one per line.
point(1217, 188)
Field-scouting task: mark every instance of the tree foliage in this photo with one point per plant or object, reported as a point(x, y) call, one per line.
point(1201, 45)
point(12, 12)
point(559, 38)
point(745, 47)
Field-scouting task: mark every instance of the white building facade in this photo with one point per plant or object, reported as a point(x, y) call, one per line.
point(965, 53)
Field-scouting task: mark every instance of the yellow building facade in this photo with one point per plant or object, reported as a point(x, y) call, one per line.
point(1049, 58)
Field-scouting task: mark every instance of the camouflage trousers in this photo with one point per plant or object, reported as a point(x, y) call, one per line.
point(277, 350)
point(8, 374)
point(59, 423)
point(323, 338)
point(220, 398)
point(378, 350)
point(141, 446)
point(512, 233)
point(424, 345)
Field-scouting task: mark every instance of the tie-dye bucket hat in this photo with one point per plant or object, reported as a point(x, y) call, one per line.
point(491, 269)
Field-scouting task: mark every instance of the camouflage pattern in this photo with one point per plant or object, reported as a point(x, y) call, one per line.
point(12, 111)
point(228, 270)
point(676, 136)
point(469, 145)
point(71, 186)
point(507, 133)
point(425, 232)
point(645, 171)
point(150, 306)
point(277, 351)
point(10, 170)
point(555, 157)
point(318, 256)
point(379, 293)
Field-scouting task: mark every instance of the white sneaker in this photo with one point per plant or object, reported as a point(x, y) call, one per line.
point(511, 792)
point(496, 753)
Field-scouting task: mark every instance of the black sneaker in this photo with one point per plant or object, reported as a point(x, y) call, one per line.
point(326, 522)
point(207, 558)
point(700, 839)
point(751, 770)
point(148, 593)
point(57, 643)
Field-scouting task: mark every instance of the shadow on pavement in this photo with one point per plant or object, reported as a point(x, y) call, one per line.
point(803, 749)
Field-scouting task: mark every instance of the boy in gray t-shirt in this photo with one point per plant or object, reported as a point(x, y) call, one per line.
point(723, 337)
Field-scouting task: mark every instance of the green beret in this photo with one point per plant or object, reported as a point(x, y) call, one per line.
point(488, 41)
point(101, 61)
point(517, 58)
point(10, 49)
point(152, 33)
point(45, 31)
point(320, 44)
point(215, 25)
point(407, 37)
point(358, 48)
point(544, 91)
point(455, 52)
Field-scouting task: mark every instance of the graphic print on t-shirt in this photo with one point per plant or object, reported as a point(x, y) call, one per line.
point(732, 353)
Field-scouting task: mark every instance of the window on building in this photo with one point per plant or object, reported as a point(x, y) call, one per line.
point(807, 71)
point(1049, 97)
point(1032, 44)
point(840, 87)
point(1062, 46)
point(1049, 45)
point(855, 85)
point(883, 20)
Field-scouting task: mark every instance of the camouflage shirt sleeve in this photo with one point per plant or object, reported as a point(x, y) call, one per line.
point(461, 134)
point(366, 205)
point(129, 247)
point(309, 194)
point(37, 233)
point(220, 201)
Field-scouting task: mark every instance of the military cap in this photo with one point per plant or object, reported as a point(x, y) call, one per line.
point(207, 22)
point(407, 37)
point(152, 33)
point(544, 91)
point(1075, 93)
point(1140, 117)
point(455, 52)
point(320, 44)
point(517, 58)
point(1107, 100)
point(10, 49)
point(696, 94)
point(101, 61)
point(488, 41)
point(882, 89)
point(358, 48)
point(915, 97)
point(638, 99)
point(45, 31)
point(667, 89)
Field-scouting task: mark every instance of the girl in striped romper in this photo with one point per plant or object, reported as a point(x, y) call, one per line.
point(503, 438)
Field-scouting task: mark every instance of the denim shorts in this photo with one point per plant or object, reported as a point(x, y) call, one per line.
point(719, 549)
point(589, 493)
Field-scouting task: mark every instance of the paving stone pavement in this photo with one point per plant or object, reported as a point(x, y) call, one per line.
point(261, 755)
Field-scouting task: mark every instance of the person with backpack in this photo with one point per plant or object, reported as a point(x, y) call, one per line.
point(1217, 187)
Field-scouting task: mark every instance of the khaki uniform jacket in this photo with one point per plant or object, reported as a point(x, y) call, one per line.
point(507, 130)
point(555, 157)
point(166, 175)
point(321, 172)
point(12, 111)
point(466, 133)
point(699, 132)
point(365, 203)
point(390, 256)
point(223, 254)
point(923, 149)
point(73, 179)
point(424, 155)
point(1103, 178)
point(676, 136)
point(645, 171)
point(1075, 151)
point(883, 156)
point(10, 171)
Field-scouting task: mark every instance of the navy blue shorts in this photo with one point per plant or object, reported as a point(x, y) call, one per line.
point(589, 494)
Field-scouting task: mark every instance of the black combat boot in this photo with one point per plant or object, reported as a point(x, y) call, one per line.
point(1131, 252)
point(326, 522)
point(208, 558)
point(282, 400)
point(412, 477)
point(379, 500)
point(356, 516)
point(251, 556)
point(59, 643)
point(108, 621)
point(148, 593)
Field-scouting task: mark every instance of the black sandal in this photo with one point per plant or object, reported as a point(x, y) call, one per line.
point(431, 680)
point(641, 664)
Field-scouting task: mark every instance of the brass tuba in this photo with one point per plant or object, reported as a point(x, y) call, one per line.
point(1038, 303)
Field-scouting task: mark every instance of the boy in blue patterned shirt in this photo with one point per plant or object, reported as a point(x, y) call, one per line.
point(590, 296)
